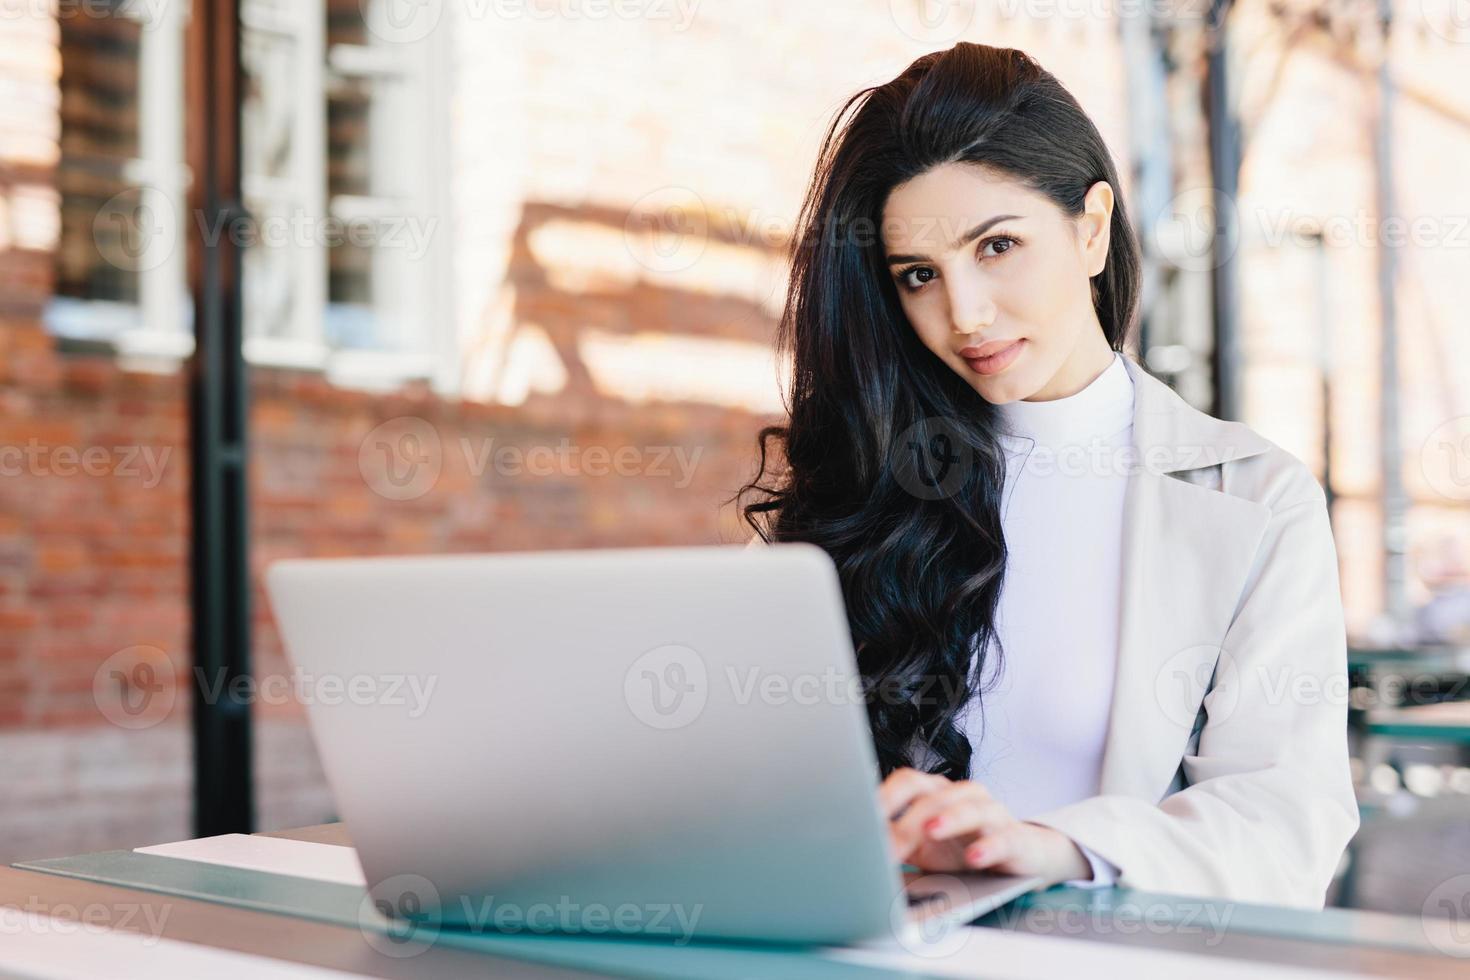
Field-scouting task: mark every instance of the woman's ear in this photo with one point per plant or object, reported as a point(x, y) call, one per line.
point(1096, 226)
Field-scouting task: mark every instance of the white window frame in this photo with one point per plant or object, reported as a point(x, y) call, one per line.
point(412, 299)
point(159, 329)
point(413, 147)
point(303, 187)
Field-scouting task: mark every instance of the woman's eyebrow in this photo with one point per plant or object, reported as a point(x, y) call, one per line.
point(964, 239)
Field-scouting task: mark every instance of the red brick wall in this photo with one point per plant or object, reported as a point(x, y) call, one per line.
point(94, 519)
point(95, 563)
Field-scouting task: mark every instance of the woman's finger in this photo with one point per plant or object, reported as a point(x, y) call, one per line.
point(908, 830)
point(903, 786)
point(968, 815)
point(992, 849)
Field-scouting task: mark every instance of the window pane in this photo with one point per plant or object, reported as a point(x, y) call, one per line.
point(275, 195)
point(268, 112)
point(102, 214)
point(269, 286)
point(349, 105)
point(368, 117)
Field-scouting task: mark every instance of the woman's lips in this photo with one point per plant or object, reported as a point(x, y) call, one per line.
point(996, 362)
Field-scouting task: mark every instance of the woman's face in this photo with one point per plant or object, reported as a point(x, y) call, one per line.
point(995, 278)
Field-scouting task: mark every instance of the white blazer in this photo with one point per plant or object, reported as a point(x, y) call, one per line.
point(1225, 771)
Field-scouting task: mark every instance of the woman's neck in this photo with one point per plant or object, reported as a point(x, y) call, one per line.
point(1099, 410)
point(1088, 360)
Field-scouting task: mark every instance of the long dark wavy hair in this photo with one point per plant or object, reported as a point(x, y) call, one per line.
point(892, 464)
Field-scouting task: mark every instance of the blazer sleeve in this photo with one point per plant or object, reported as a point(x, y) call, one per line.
point(1267, 805)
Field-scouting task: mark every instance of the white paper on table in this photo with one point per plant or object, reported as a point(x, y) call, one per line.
point(52, 948)
point(302, 859)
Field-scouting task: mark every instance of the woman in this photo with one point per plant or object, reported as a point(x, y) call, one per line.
point(1113, 621)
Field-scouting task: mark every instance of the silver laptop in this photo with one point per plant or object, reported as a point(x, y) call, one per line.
point(667, 742)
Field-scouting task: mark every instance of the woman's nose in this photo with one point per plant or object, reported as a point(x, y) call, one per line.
point(971, 309)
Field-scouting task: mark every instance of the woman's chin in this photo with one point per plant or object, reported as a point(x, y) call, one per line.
point(1001, 388)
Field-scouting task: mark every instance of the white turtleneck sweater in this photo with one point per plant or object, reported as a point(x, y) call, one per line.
point(1040, 742)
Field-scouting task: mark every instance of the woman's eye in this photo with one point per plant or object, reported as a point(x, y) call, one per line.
point(915, 278)
point(998, 240)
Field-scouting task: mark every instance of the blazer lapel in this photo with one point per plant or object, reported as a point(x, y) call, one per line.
point(1187, 550)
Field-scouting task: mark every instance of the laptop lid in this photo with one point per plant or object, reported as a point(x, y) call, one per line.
point(670, 737)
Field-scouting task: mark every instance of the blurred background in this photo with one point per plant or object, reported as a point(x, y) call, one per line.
point(509, 278)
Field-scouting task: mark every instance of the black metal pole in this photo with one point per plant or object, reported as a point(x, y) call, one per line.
point(218, 419)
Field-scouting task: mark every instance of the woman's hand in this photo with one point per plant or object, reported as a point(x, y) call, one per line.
point(959, 826)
